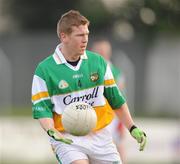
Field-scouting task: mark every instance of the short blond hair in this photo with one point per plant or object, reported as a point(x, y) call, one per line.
point(69, 19)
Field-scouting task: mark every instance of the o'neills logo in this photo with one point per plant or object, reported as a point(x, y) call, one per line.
point(69, 99)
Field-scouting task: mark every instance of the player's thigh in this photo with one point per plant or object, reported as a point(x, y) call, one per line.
point(73, 157)
point(68, 154)
point(83, 161)
point(103, 150)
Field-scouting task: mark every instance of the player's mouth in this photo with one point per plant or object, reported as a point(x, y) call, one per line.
point(83, 48)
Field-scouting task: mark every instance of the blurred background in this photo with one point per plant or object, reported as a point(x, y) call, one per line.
point(145, 37)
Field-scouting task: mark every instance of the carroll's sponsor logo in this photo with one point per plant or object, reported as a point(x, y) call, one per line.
point(63, 84)
point(85, 98)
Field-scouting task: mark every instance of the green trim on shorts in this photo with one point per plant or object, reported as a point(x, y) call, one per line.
point(116, 162)
point(58, 159)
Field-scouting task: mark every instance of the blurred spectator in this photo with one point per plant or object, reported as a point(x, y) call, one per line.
point(103, 47)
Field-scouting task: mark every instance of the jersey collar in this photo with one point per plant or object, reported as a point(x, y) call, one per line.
point(59, 58)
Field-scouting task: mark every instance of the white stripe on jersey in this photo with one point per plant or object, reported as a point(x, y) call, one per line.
point(108, 74)
point(110, 86)
point(38, 85)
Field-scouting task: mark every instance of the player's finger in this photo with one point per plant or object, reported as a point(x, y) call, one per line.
point(143, 143)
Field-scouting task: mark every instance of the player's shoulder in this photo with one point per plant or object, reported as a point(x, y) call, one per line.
point(46, 61)
point(43, 66)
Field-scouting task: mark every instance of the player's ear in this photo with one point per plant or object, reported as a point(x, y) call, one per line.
point(63, 37)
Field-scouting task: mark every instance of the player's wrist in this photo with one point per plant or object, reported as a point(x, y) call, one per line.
point(55, 134)
point(50, 132)
point(135, 127)
point(139, 135)
point(132, 128)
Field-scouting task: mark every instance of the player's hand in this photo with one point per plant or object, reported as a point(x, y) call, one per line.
point(56, 135)
point(139, 135)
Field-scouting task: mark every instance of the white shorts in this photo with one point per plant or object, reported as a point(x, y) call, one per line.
point(97, 147)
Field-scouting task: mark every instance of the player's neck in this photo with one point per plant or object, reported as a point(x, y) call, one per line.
point(69, 55)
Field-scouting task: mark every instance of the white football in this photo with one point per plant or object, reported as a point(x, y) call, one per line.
point(79, 118)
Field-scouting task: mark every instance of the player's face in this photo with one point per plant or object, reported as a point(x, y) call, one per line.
point(77, 41)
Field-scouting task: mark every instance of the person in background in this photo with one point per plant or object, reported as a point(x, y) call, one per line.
point(103, 47)
point(70, 74)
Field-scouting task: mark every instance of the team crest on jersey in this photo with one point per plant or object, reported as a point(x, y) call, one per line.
point(94, 77)
point(63, 84)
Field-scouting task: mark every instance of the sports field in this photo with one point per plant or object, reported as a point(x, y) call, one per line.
point(22, 141)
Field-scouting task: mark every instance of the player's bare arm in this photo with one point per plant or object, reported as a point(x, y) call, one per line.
point(124, 115)
point(46, 123)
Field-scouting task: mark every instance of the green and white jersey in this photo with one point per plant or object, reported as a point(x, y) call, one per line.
point(56, 84)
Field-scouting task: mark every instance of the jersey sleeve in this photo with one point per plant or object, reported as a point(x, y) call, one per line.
point(41, 102)
point(111, 91)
